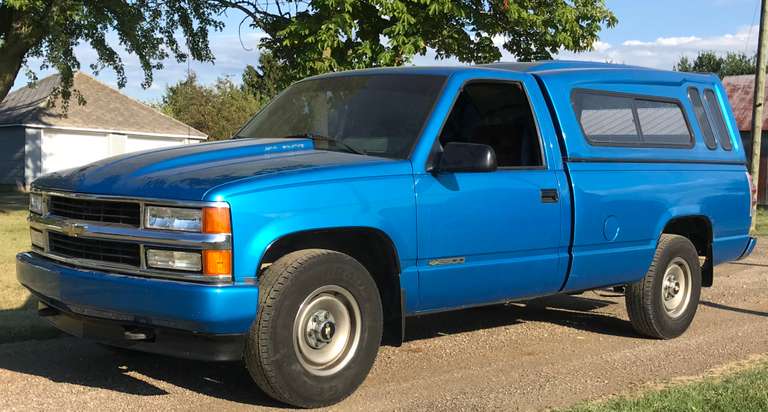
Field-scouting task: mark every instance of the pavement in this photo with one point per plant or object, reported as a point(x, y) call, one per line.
point(542, 354)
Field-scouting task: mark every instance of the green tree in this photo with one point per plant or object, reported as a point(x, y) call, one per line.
point(304, 37)
point(218, 110)
point(266, 81)
point(317, 36)
point(738, 63)
point(50, 30)
point(709, 62)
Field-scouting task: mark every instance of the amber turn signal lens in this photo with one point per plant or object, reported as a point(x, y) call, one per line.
point(216, 220)
point(217, 262)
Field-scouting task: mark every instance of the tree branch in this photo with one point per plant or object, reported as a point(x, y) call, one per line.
point(251, 9)
point(6, 18)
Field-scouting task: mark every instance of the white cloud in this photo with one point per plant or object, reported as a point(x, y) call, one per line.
point(664, 52)
point(661, 53)
point(662, 41)
point(600, 46)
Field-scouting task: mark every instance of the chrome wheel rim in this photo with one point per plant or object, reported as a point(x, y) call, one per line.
point(676, 287)
point(327, 330)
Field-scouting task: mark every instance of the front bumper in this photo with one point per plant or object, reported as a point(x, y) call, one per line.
point(160, 340)
point(168, 308)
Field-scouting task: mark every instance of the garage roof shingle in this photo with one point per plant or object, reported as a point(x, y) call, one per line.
point(105, 109)
point(741, 91)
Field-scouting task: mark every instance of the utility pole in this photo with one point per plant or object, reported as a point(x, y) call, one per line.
point(757, 108)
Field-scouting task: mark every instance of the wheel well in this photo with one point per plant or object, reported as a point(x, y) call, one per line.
point(698, 229)
point(372, 248)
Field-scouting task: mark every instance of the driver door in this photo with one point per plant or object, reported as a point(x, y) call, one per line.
point(487, 237)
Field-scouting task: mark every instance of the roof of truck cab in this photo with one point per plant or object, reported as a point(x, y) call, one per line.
point(548, 67)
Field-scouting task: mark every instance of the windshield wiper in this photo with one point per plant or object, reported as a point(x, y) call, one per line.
point(336, 142)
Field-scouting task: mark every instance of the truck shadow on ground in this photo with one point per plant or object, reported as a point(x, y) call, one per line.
point(577, 312)
point(78, 362)
point(733, 308)
point(22, 323)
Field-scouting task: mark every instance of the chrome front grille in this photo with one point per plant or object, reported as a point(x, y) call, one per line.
point(105, 233)
point(95, 249)
point(92, 210)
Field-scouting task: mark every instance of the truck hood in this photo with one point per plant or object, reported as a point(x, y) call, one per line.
point(189, 172)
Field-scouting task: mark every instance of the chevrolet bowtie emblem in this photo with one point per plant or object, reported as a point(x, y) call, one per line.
point(73, 229)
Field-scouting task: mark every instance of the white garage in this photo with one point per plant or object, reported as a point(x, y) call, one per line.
point(37, 136)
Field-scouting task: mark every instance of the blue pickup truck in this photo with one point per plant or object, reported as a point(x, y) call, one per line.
point(356, 199)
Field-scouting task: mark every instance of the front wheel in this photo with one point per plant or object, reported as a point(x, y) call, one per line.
point(662, 305)
point(318, 328)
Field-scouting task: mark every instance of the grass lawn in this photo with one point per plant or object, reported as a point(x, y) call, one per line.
point(746, 390)
point(18, 315)
point(762, 221)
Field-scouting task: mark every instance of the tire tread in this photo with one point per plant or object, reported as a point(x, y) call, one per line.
point(639, 296)
point(273, 281)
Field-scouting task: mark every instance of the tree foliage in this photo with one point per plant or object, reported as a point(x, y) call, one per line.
point(148, 29)
point(709, 62)
point(303, 37)
point(268, 80)
point(317, 36)
point(218, 110)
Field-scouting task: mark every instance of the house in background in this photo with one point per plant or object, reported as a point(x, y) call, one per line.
point(741, 91)
point(37, 137)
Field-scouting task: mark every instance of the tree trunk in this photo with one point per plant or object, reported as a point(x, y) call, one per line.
point(10, 65)
point(18, 35)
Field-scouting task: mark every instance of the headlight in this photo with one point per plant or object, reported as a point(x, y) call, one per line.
point(175, 260)
point(36, 203)
point(173, 218)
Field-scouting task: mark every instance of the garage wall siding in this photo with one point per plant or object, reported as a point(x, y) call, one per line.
point(64, 149)
point(67, 149)
point(26, 153)
point(137, 143)
point(12, 156)
point(33, 164)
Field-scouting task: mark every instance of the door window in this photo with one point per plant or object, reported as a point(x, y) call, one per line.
point(498, 115)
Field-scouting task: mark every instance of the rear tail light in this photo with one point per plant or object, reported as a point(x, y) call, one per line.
point(752, 194)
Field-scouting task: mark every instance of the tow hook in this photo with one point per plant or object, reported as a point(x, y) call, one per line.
point(138, 334)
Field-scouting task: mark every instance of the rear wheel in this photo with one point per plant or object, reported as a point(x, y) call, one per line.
point(318, 328)
point(663, 304)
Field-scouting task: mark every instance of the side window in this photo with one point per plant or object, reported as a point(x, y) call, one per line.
point(607, 119)
point(498, 115)
point(662, 123)
point(624, 120)
point(717, 118)
point(701, 117)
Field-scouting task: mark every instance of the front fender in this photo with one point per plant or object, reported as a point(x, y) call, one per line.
point(261, 217)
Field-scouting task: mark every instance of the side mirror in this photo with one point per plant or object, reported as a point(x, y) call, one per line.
point(467, 157)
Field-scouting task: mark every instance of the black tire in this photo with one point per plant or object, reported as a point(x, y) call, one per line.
point(273, 356)
point(646, 299)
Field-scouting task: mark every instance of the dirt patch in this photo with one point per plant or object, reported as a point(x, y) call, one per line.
point(544, 354)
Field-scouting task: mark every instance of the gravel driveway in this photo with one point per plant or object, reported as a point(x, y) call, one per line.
point(546, 353)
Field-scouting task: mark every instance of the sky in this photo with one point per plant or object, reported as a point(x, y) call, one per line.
point(651, 33)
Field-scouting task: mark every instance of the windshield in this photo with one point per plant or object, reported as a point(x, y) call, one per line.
point(378, 115)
